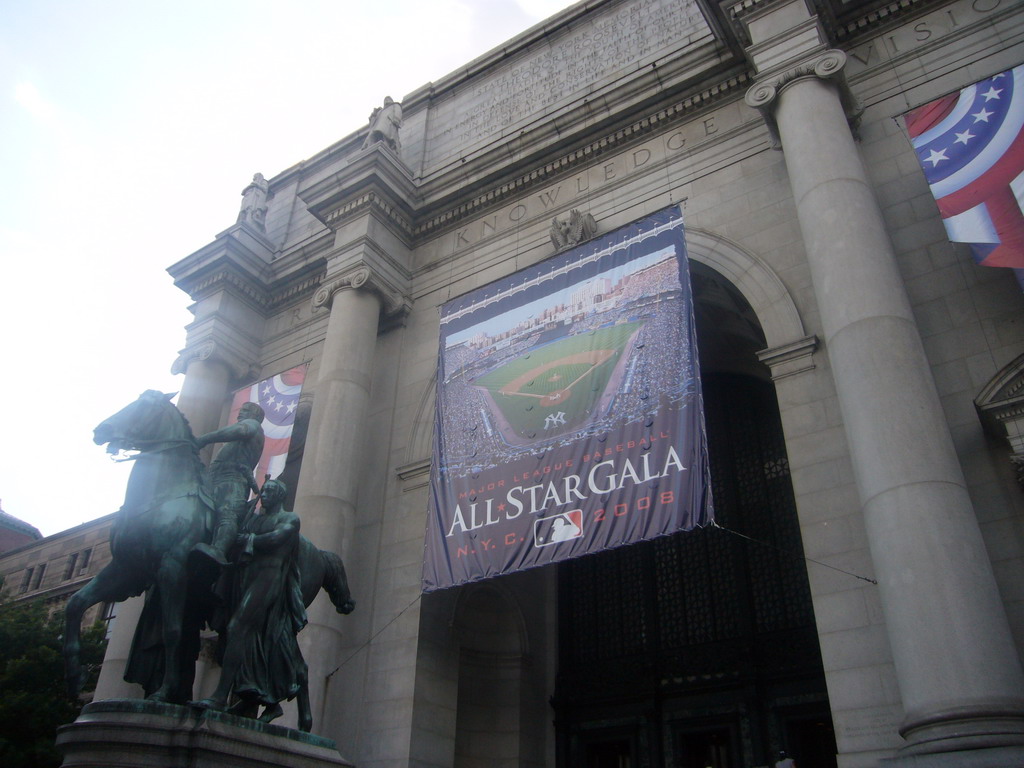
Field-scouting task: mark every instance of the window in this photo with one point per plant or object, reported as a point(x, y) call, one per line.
point(70, 570)
point(40, 572)
point(86, 555)
point(27, 580)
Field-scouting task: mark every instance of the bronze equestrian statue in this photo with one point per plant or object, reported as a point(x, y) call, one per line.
point(167, 518)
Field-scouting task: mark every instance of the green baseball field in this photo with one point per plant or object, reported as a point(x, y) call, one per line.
point(560, 386)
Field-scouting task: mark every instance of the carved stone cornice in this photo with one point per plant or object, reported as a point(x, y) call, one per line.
point(738, 13)
point(296, 291)
point(229, 277)
point(763, 95)
point(362, 277)
point(236, 260)
point(841, 20)
point(583, 156)
point(371, 200)
point(297, 285)
point(1001, 402)
point(374, 181)
point(1000, 405)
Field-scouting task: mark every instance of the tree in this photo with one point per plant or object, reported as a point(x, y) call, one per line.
point(33, 699)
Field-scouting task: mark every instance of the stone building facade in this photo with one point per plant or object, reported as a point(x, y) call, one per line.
point(862, 381)
point(52, 568)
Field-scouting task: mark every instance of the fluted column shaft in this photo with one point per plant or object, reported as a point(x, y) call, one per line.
point(959, 674)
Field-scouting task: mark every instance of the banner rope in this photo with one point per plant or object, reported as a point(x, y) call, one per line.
point(374, 636)
point(714, 524)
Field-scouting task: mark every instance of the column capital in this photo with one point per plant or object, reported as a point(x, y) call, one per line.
point(361, 277)
point(825, 65)
point(239, 368)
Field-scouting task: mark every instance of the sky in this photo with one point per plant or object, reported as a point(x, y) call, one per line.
point(127, 132)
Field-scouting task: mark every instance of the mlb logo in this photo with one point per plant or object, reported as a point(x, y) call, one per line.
point(557, 528)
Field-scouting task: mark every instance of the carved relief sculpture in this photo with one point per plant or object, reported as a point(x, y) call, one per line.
point(572, 229)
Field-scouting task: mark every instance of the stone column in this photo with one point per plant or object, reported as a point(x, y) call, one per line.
point(111, 683)
point(331, 466)
point(205, 389)
point(209, 373)
point(959, 674)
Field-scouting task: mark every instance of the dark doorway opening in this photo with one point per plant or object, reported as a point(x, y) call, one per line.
point(813, 738)
point(700, 650)
point(609, 753)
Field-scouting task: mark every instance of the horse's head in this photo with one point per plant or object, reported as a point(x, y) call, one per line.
point(139, 425)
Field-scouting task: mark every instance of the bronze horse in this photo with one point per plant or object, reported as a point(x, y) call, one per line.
point(164, 515)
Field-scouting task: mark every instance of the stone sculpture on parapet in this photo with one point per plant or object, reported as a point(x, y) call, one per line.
point(270, 572)
point(572, 229)
point(385, 123)
point(254, 203)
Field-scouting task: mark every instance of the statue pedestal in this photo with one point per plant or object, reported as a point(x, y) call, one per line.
point(132, 733)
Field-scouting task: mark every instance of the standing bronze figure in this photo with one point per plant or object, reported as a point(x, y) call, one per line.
point(262, 661)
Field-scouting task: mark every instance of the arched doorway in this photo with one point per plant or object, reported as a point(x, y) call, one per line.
point(700, 649)
point(489, 636)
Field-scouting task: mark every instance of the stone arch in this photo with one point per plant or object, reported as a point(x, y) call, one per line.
point(755, 279)
point(489, 635)
point(420, 446)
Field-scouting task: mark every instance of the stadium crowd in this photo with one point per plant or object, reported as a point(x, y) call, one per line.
point(654, 372)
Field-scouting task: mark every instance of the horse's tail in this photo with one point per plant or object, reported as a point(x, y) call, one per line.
point(336, 582)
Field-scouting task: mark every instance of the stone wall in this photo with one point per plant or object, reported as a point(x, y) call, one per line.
point(484, 196)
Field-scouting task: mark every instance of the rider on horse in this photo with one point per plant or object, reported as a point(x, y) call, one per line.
point(231, 477)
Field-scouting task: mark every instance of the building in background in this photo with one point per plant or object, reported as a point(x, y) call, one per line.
point(15, 533)
point(53, 568)
point(861, 599)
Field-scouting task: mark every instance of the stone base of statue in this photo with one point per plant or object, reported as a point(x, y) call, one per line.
point(131, 733)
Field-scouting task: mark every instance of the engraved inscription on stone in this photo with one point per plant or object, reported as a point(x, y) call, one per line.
point(610, 169)
point(553, 71)
point(924, 30)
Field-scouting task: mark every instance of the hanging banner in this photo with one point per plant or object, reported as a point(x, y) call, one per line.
point(568, 415)
point(971, 147)
point(278, 396)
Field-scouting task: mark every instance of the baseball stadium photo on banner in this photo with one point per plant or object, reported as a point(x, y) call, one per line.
point(568, 412)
